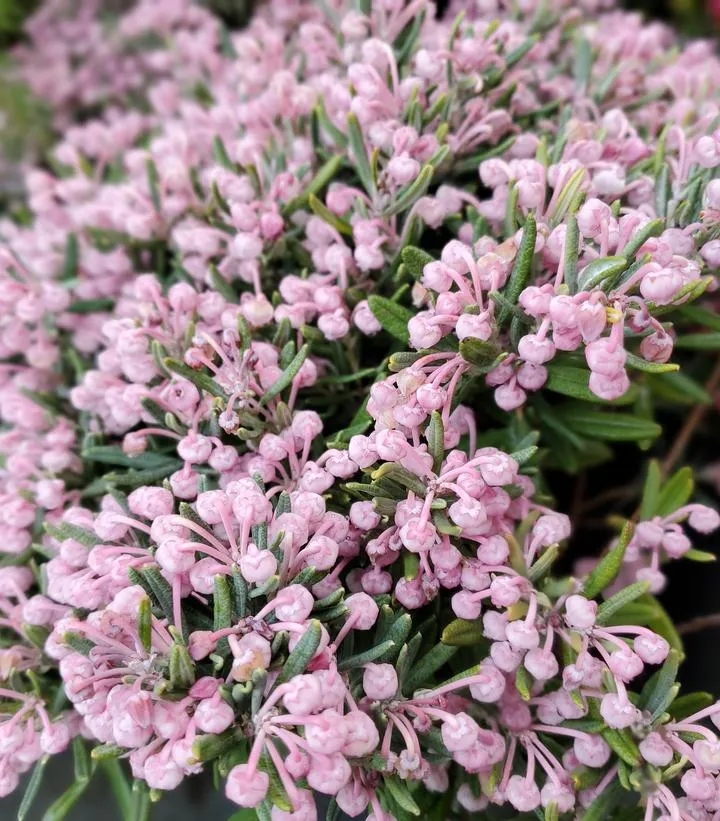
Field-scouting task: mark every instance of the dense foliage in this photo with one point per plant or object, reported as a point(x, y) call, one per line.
point(300, 324)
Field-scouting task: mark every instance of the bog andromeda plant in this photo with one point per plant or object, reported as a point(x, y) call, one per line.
point(301, 326)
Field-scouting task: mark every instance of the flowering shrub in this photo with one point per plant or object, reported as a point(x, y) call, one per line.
point(299, 323)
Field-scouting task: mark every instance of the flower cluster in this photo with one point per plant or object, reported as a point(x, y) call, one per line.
point(265, 314)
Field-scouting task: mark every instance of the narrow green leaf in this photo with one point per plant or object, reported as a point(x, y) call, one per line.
point(222, 603)
point(182, 669)
point(401, 795)
point(33, 785)
point(651, 491)
point(62, 806)
point(679, 388)
point(201, 380)
point(481, 354)
point(608, 426)
point(144, 624)
point(415, 260)
point(321, 210)
point(691, 703)
point(412, 192)
point(220, 154)
point(324, 175)
point(301, 655)
point(599, 271)
point(429, 664)
point(523, 683)
point(709, 341)
point(609, 566)
point(520, 274)
point(623, 744)
point(359, 154)
point(65, 531)
point(393, 317)
point(463, 633)
point(287, 376)
point(572, 251)
point(623, 597)
point(655, 698)
point(640, 364)
point(676, 492)
point(361, 659)
point(70, 261)
point(153, 179)
point(696, 555)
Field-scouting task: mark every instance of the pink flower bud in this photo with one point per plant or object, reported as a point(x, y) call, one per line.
point(380, 681)
point(245, 786)
point(652, 649)
point(580, 612)
point(655, 750)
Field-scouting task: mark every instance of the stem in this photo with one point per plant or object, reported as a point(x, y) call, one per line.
point(699, 623)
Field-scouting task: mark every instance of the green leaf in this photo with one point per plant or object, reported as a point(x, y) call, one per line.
point(33, 785)
point(430, 663)
point(182, 669)
point(463, 633)
point(287, 376)
point(393, 317)
point(360, 157)
point(410, 193)
point(573, 381)
point(81, 760)
point(65, 531)
point(222, 603)
point(651, 491)
point(153, 179)
point(361, 659)
point(655, 699)
point(478, 353)
point(201, 380)
point(220, 154)
point(582, 70)
point(144, 624)
point(609, 566)
point(689, 704)
point(701, 316)
point(70, 261)
point(620, 599)
point(321, 210)
point(699, 555)
point(608, 426)
point(523, 683)
point(676, 492)
point(397, 473)
point(120, 787)
point(400, 794)
point(679, 388)
point(709, 341)
point(572, 251)
point(541, 566)
point(602, 806)
point(90, 306)
point(623, 744)
point(520, 274)
point(113, 455)
point(653, 228)
point(640, 364)
point(435, 435)
point(159, 588)
point(62, 806)
point(415, 260)
point(301, 655)
point(398, 634)
point(325, 175)
point(599, 271)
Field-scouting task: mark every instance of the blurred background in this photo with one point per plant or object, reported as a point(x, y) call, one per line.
point(694, 590)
